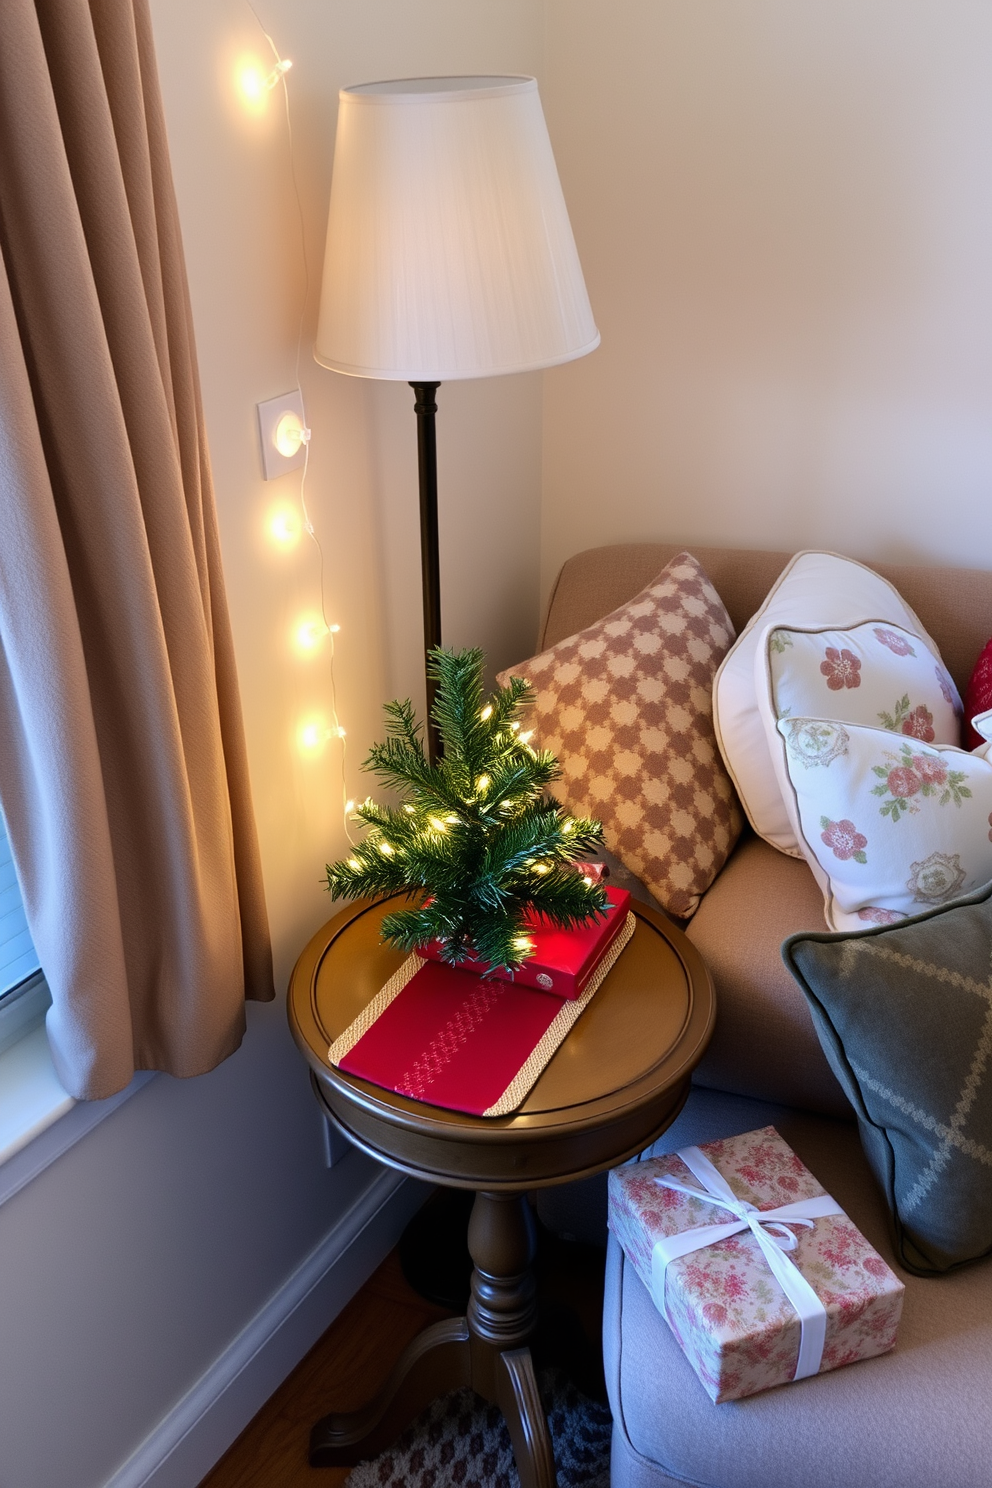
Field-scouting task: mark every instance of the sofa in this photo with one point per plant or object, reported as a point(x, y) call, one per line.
point(919, 1417)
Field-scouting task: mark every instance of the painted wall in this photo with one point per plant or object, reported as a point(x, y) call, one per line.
point(784, 218)
point(140, 1256)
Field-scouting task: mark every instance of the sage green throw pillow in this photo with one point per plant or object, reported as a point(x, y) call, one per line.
point(904, 1014)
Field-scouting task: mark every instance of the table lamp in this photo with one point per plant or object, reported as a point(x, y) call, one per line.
point(449, 255)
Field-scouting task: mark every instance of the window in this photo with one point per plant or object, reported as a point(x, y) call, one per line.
point(32, 1100)
point(23, 993)
point(18, 958)
point(38, 1120)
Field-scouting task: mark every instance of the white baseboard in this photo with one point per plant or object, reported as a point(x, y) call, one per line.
point(198, 1430)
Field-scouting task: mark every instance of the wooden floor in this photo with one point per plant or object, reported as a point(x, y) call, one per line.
point(341, 1371)
point(354, 1356)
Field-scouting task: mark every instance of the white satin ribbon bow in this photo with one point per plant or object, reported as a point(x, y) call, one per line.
point(770, 1227)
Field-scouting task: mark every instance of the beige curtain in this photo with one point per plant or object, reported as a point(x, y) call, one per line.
point(122, 764)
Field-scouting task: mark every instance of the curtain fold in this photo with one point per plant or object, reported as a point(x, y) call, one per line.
point(123, 773)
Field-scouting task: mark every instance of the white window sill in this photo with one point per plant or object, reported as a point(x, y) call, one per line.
point(31, 1097)
point(38, 1120)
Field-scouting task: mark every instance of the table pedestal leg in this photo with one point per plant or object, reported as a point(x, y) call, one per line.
point(502, 1316)
point(487, 1349)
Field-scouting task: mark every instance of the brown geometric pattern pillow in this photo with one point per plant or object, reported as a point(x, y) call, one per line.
point(627, 707)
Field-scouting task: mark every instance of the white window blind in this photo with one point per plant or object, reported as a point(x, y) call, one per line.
point(18, 958)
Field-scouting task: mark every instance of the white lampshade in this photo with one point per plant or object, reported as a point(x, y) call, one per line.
point(449, 250)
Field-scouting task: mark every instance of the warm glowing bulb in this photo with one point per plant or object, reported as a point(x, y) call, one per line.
point(541, 868)
point(482, 784)
point(514, 727)
point(526, 738)
point(308, 632)
point(587, 880)
point(487, 712)
point(284, 526)
point(354, 863)
point(523, 943)
point(455, 821)
point(437, 824)
point(334, 629)
point(311, 736)
point(349, 805)
point(251, 81)
point(340, 732)
point(255, 82)
point(568, 825)
point(290, 433)
point(410, 810)
point(386, 850)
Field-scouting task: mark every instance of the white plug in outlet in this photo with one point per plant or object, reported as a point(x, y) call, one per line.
point(283, 432)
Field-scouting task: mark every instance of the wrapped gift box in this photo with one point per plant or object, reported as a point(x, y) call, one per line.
point(563, 961)
point(723, 1300)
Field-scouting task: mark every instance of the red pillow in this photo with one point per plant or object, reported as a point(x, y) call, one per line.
point(978, 698)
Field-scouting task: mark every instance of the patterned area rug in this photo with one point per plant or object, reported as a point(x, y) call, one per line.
point(463, 1442)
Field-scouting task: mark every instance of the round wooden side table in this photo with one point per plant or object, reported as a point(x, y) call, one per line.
point(619, 1079)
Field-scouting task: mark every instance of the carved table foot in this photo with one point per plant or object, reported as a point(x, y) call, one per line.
point(523, 1412)
point(438, 1360)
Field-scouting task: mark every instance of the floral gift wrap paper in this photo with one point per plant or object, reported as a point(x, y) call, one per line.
point(731, 1316)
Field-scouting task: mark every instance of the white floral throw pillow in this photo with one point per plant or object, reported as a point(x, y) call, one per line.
point(814, 589)
point(890, 825)
point(874, 673)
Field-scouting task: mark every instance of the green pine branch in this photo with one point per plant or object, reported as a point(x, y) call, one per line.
point(477, 833)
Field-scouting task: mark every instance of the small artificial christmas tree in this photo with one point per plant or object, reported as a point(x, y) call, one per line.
point(476, 831)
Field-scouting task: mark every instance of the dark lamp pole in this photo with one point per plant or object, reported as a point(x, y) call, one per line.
point(425, 408)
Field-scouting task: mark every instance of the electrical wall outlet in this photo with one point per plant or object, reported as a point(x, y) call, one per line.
point(283, 432)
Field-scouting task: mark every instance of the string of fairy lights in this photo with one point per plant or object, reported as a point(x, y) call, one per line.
point(311, 632)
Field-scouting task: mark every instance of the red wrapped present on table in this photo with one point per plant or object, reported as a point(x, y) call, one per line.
point(760, 1274)
point(564, 960)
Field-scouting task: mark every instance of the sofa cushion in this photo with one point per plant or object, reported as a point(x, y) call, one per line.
point(914, 1418)
point(764, 1044)
point(815, 590)
point(626, 707)
point(904, 1015)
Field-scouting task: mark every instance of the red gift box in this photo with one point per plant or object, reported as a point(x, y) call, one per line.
point(563, 960)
